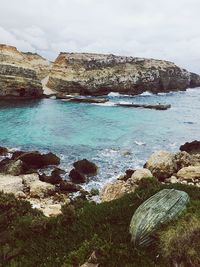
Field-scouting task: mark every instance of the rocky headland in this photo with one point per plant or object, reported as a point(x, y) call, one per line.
point(98, 74)
point(18, 78)
point(28, 75)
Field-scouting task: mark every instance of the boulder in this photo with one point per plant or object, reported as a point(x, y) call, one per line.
point(77, 177)
point(140, 174)
point(12, 167)
point(69, 187)
point(54, 178)
point(116, 190)
point(28, 179)
point(35, 160)
point(86, 167)
point(41, 189)
point(52, 210)
point(10, 183)
point(158, 210)
point(191, 147)
point(161, 164)
point(182, 159)
point(189, 173)
point(3, 151)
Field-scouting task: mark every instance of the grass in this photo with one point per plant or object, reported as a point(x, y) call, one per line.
point(28, 239)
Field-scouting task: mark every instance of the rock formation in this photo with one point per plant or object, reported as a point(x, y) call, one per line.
point(98, 74)
point(17, 77)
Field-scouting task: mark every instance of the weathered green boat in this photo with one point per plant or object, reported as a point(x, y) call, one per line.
point(159, 209)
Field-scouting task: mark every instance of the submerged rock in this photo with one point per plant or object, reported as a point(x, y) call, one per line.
point(162, 164)
point(159, 209)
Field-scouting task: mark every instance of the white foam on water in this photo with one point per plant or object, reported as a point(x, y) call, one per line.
point(139, 143)
point(146, 93)
point(108, 104)
point(113, 94)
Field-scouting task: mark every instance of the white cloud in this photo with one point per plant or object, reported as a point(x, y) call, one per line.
point(157, 29)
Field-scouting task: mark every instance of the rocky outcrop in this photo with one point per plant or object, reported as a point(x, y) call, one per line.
point(98, 74)
point(162, 164)
point(121, 187)
point(17, 77)
point(191, 147)
point(41, 65)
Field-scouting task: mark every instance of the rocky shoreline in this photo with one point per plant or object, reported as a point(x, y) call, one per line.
point(28, 75)
point(22, 173)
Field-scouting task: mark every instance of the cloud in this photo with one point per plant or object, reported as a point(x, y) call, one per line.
point(156, 29)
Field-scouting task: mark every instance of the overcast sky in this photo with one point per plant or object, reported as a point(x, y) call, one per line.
point(163, 29)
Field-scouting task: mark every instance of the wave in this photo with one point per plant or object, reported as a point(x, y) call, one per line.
point(108, 104)
point(146, 93)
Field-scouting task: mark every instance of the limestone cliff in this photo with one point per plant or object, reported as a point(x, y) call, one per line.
point(41, 65)
point(97, 74)
point(17, 76)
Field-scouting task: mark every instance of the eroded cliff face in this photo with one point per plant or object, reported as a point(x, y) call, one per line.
point(97, 74)
point(17, 76)
point(41, 65)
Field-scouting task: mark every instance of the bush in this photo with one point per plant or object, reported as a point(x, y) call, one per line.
point(27, 238)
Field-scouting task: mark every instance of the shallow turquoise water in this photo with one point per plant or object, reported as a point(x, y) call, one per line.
point(102, 133)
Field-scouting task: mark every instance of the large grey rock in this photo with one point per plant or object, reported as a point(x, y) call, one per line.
point(159, 209)
point(189, 173)
point(10, 183)
point(162, 164)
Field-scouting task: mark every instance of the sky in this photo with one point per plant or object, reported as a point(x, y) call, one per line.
point(162, 29)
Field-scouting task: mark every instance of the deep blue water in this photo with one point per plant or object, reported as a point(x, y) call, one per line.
point(116, 138)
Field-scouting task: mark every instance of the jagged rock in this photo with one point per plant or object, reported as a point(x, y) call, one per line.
point(54, 178)
point(69, 187)
point(159, 209)
point(17, 77)
point(140, 174)
point(41, 189)
point(35, 160)
point(189, 173)
point(77, 177)
point(41, 65)
point(191, 147)
point(10, 183)
point(98, 74)
point(162, 164)
point(183, 159)
point(12, 167)
point(28, 179)
point(20, 195)
point(116, 190)
point(86, 167)
point(3, 151)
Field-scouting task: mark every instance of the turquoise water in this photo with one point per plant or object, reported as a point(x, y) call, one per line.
point(116, 138)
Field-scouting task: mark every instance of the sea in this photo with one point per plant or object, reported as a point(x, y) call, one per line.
point(115, 138)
